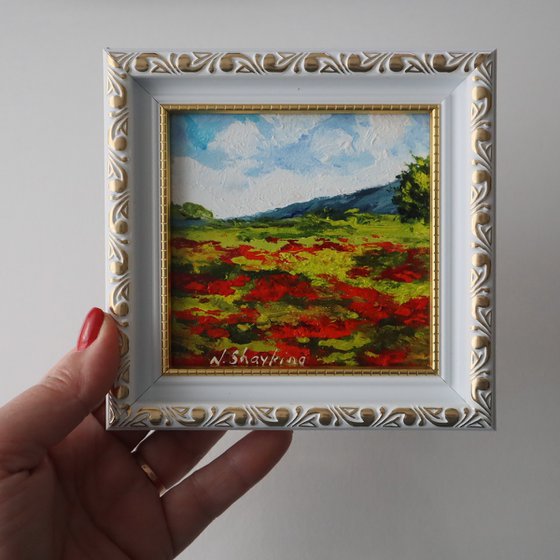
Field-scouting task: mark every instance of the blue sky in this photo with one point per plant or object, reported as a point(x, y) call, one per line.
point(240, 164)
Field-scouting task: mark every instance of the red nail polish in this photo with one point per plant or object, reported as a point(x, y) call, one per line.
point(90, 328)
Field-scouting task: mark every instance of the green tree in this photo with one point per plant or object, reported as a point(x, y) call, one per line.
point(192, 211)
point(412, 197)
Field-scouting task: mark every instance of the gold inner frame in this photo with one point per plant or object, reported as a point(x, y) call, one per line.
point(165, 200)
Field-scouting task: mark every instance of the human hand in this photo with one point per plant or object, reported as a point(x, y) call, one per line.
point(69, 489)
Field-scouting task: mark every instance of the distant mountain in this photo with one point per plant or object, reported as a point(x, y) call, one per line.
point(373, 200)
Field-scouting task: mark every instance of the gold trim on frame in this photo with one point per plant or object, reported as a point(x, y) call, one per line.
point(165, 201)
point(118, 193)
point(123, 412)
point(482, 219)
point(262, 63)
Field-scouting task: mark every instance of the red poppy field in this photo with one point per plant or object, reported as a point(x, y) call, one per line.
point(306, 292)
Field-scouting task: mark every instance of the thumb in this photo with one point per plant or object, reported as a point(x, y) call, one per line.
point(46, 413)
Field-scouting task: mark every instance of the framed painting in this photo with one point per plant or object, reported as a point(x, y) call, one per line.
point(301, 240)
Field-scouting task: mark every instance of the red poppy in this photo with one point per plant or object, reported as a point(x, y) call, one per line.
point(294, 246)
point(358, 272)
point(346, 291)
point(189, 360)
point(403, 273)
point(372, 312)
point(183, 243)
point(217, 332)
point(316, 327)
point(225, 287)
point(245, 315)
point(391, 247)
point(287, 349)
point(336, 246)
point(415, 312)
point(242, 251)
point(275, 286)
point(205, 284)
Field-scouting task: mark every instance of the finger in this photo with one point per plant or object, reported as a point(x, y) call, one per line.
point(44, 414)
point(208, 492)
point(171, 455)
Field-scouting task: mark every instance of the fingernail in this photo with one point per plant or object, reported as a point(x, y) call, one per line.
point(90, 328)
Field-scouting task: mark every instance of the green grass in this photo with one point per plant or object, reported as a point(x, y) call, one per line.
point(266, 285)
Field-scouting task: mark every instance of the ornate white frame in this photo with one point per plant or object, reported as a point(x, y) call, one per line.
point(138, 83)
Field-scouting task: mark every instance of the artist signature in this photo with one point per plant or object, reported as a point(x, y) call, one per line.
point(236, 358)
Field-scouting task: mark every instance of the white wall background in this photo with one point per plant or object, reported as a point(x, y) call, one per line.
point(374, 495)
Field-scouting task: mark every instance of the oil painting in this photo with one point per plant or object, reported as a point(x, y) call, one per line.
point(300, 241)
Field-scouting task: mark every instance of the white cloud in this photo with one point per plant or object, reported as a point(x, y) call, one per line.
point(290, 128)
point(377, 133)
point(240, 139)
point(329, 143)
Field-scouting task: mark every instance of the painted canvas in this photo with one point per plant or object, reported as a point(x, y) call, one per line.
point(300, 240)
